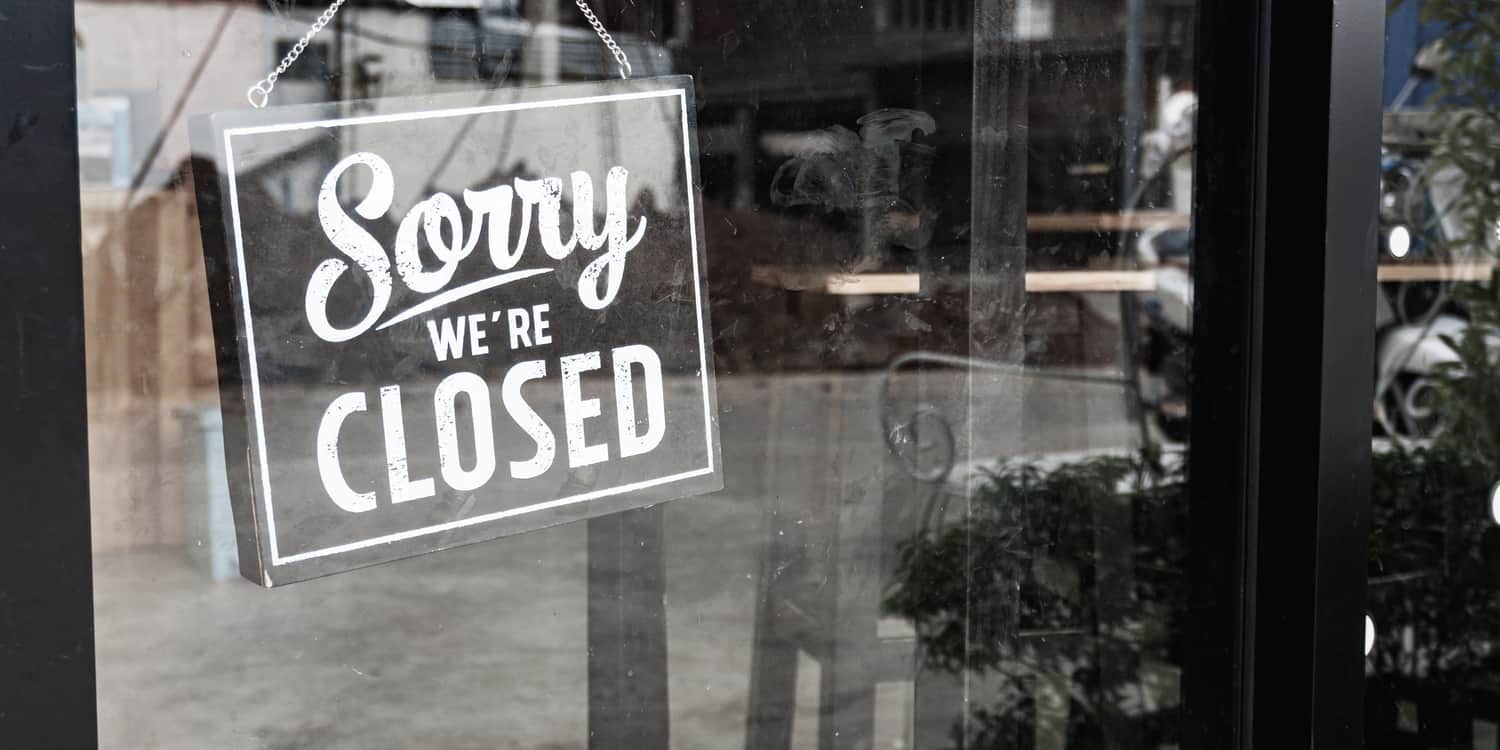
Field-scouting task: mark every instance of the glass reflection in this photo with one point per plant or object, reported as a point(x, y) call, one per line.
point(949, 249)
point(1435, 546)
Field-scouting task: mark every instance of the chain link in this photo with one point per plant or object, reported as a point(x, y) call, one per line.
point(614, 49)
point(261, 91)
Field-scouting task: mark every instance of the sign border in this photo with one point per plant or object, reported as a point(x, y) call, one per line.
point(247, 321)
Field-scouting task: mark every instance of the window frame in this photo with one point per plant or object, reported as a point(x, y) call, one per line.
point(47, 692)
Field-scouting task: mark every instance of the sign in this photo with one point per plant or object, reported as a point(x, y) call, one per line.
point(448, 319)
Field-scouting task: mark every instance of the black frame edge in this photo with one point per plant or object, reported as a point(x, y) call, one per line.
point(1345, 472)
point(47, 697)
point(1313, 457)
point(1228, 221)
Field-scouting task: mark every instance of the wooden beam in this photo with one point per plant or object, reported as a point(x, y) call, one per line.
point(828, 281)
point(1436, 272)
point(1107, 222)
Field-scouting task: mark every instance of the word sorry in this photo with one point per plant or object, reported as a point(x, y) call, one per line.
point(576, 409)
point(490, 209)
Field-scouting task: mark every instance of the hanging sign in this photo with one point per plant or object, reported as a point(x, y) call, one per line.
point(448, 319)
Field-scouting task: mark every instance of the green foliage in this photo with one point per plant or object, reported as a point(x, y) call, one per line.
point(1434, 550)
point(1469, 389)
point(1467, 97)
point(1010, 592)
point(1433, 561)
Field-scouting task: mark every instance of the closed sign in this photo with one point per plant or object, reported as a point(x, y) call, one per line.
point(445, 320)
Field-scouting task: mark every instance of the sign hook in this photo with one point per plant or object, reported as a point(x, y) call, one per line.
point(260, 93)
point(621, 62)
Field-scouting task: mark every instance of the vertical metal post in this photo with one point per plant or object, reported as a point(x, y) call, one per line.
point(1135, 104)
point(337, 63)
point(1133, 96)
point(543, 51)
point(744, 158)
point(1114, 543)
point(627, 632)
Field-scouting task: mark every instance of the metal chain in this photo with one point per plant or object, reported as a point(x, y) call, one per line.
point(261, 91)
point(614, 49)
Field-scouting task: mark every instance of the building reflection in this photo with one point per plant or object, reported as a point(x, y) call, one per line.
point(930, 303)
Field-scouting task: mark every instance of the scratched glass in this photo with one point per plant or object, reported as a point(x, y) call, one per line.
point(946, 281)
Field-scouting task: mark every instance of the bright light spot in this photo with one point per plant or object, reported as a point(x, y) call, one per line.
point(1399, 242)
point(1369, 635)
point(1495, 502)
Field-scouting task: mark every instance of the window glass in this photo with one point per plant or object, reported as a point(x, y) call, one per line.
point(1432, 621)
point(948, 250)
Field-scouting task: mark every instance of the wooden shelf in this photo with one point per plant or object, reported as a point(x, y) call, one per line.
point(832, 281)
point(1108, 222)
point(1436, 272)
point(1041, 282)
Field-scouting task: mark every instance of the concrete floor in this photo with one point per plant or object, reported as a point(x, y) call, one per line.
point(484, 646)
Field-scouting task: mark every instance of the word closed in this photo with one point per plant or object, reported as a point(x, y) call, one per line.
point(472, 389)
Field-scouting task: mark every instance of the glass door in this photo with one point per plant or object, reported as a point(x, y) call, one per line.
point(939, 276)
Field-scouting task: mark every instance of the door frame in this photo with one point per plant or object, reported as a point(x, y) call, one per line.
point(46, 576)
point(1280, 469)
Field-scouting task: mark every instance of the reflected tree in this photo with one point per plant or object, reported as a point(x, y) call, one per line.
point(1434, 559)
point(1009, 593)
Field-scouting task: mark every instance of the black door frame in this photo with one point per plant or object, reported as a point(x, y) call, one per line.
point(1287, 162)
point(1310, 526)
point(1279, 471)
point(46, 574)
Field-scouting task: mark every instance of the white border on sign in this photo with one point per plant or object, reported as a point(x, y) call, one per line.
point(260, 431)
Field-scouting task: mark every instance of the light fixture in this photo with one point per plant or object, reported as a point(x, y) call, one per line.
point(1398, 242)
point(1495, 502)
point(1369, 635)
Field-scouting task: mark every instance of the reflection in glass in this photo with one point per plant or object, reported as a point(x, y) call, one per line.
point(1435, 544)
point(949, 250)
